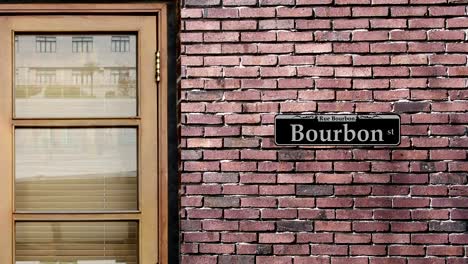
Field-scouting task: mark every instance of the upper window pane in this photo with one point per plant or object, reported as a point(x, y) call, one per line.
point(73, 76)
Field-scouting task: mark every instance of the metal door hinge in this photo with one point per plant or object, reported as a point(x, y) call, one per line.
point(158, 67)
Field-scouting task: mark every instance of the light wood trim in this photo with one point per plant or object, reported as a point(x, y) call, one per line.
point(82, 8)
point(6, 143)
point(79, 23)
point(153, 238)
point(75, 217)
point(148, 147)
point(163, 138)
point(75, 123)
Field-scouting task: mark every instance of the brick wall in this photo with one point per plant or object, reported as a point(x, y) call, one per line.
point(245, 200)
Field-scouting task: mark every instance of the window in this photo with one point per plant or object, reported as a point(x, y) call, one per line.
point(44, 77)
point(82, 44)
point(120, 43)
point(84, 180)
point(82, 78)
point(119, 76)
point(16, 44)
point(46, 44)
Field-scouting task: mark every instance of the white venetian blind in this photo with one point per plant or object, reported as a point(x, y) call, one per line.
point(110, 242)
point(76, 169)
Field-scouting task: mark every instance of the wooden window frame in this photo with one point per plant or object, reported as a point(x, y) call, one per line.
point(153, 246)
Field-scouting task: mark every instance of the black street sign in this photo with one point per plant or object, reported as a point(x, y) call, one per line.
point(337, 130)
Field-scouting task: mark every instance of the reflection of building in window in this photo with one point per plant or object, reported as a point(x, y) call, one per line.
point(82, 44)
point(82, 77)
point(45, 77)
point(46, 44)
point(120, 43)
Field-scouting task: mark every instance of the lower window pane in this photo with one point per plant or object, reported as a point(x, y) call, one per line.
point(76, 169)
point(76, 242)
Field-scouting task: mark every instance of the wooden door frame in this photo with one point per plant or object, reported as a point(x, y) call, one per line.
point(159, 10)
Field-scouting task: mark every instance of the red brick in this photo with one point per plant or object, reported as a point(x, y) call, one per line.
point(426, 23)
point(393, 23)
point(351, 47)
point(295, 36)
point(446, 35)
point(353, 72)
point(257, 12)
point(391, 238)
point(407, 35)
point(313, 24)
point(456, 47)
point(294, 12)
point(408, 227)
point(273, 260)
point(239, 25)
point(291, 249)
point(238, 166)
point(221, 13)
point(313, 48)
point(333, 83)
point(202, 25)
point(242, 214)
point(389, 260)
point(258, 202)
point(194, 259)
point(426, 47)
point(370, 226)
point(459, 22)
point(269, 24)
point(296, 202)
point(354, 95)
point(221, 37)
point(365, 250)
point(332, 11)
point(429, 238)
point(317, 95)
point(329, 250)
point(275, 48)
point(332, 36)
point(276, 190)
point(408, 11)
point(388, 48)
point(277, 71)
point(314, 71)
point(350, 24)
point(276, 238)
point(370, 35)
point(370, 84)
point(390, 166)
point(295, 178)
point(332, 226)
point(370, 11)
point(334, 202)
point(315, 237)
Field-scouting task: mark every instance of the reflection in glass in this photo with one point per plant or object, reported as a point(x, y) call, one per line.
point(76, 242)
point(76, 169)
point(75, 76)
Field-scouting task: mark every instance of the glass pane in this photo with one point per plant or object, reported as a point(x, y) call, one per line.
point(76, 243)
point(75, 76)
point(76, 169)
